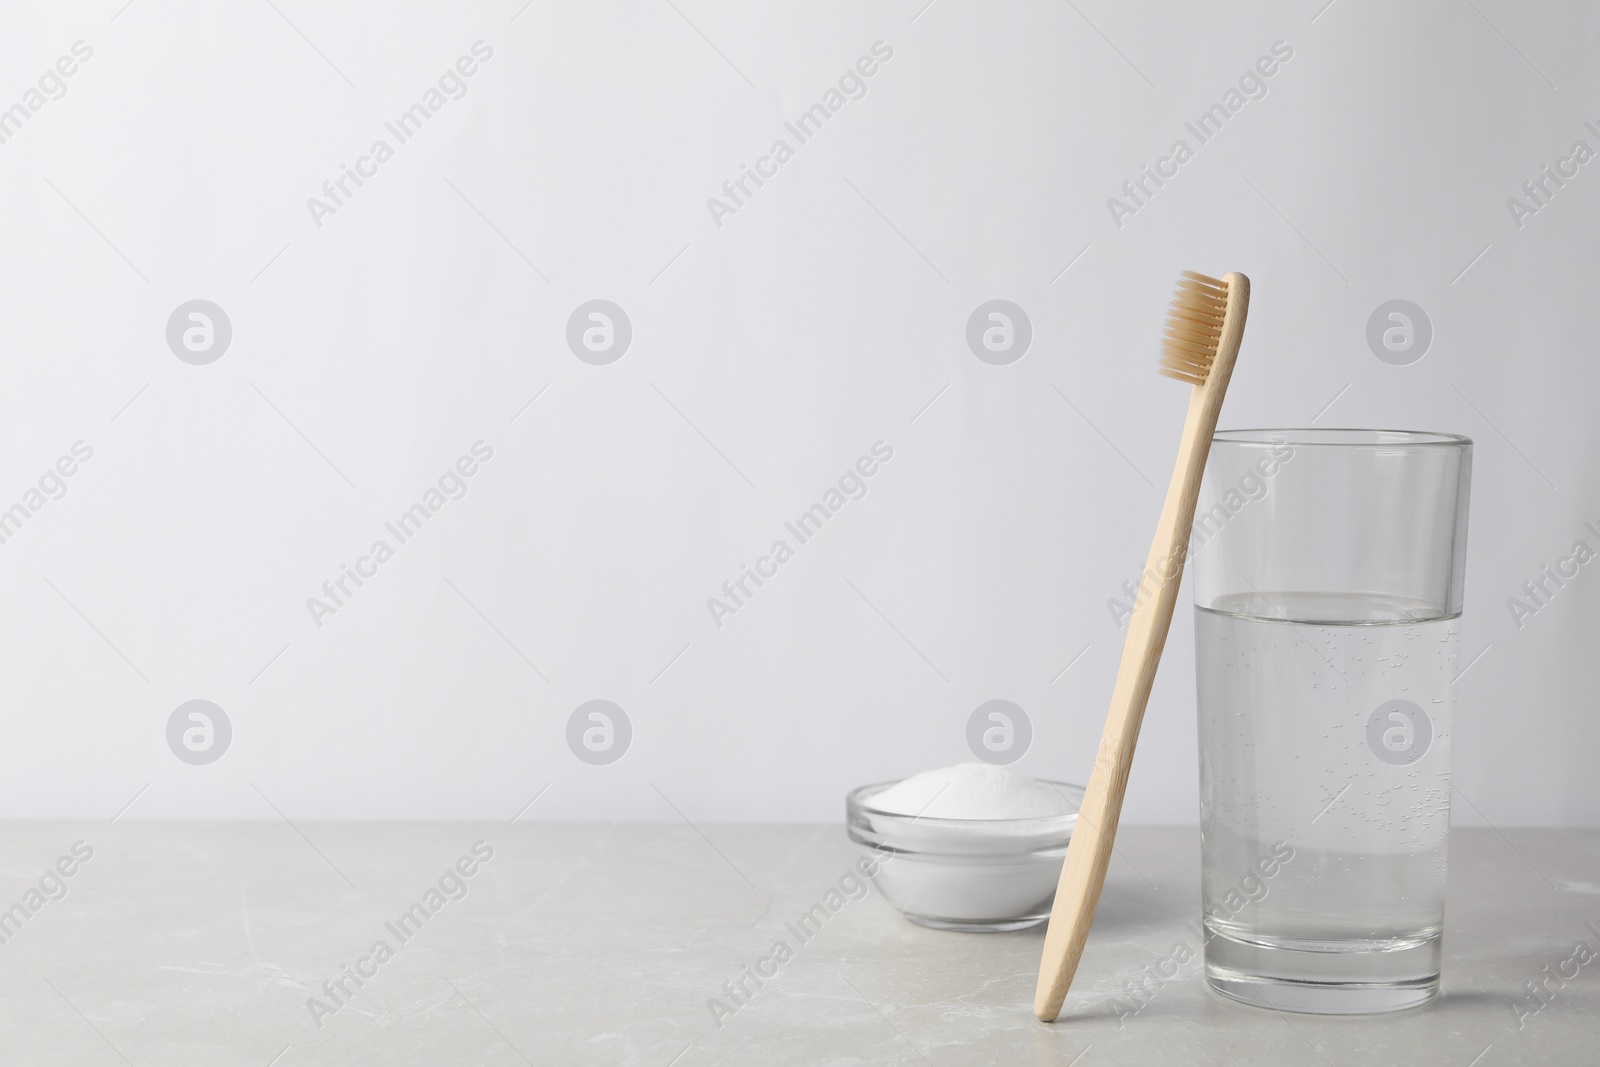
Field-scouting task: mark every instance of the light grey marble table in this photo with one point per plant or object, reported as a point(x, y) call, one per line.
point(205, 944)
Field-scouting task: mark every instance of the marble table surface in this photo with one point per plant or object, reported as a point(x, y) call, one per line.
point(245, 944)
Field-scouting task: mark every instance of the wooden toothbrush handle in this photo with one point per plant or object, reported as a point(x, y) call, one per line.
point(1093, 839)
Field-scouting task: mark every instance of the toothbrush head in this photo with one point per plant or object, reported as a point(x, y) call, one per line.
point(1194, 327)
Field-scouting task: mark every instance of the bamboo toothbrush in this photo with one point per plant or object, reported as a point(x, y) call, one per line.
point(1204, 329)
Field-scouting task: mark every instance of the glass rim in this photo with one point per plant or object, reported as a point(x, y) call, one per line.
point(857, 803)
point(1342, 437)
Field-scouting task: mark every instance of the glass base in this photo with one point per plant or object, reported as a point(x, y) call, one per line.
point(1325, 977)
point(995, 926)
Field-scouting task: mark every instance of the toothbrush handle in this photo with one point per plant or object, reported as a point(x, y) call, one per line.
point(1093, 839)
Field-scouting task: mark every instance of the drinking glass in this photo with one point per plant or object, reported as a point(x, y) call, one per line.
point(1327, 569)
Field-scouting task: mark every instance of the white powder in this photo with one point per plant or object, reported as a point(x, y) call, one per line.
point(972, 791)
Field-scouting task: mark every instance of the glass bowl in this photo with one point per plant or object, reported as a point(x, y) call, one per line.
point(981, 875)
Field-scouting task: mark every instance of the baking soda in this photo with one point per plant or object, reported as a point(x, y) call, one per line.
point(972, 791)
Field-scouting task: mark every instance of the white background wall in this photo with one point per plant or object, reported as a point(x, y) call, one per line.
point(768, 353)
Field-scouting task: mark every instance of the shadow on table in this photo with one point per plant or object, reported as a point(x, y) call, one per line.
point(1133, 906)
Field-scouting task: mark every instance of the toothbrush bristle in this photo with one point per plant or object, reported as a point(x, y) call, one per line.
point(1194, 326)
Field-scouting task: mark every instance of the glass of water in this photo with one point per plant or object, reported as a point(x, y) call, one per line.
point(1327, 569)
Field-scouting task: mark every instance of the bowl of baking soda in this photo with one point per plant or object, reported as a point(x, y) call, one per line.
point(972, 847)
